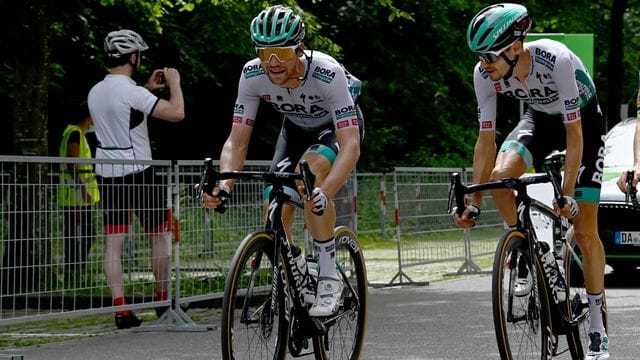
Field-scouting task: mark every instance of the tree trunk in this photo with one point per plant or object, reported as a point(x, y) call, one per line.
point(29, 43)
point(615, 65)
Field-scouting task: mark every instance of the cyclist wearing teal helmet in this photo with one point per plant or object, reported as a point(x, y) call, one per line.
point(562, 112)
point(277, 26)
point(496, 28)
point(322, 124)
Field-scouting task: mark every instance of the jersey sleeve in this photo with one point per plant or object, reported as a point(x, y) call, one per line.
point(487, 99)
point(248, 100)
point(564, 74)
point(339, 98)
point(142, 99)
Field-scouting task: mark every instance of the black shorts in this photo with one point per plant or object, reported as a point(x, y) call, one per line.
point(142, 193)
point(538, 133)
point(293, 142)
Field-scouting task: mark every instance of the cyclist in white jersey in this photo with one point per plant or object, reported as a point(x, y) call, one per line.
point(562, 112)
point(119, 109)
point(322, 124)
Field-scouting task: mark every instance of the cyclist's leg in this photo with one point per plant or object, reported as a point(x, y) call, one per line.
point(288, 150)
point(321, 156)
point(509, 163)
point(512, 160)
point(587, 194)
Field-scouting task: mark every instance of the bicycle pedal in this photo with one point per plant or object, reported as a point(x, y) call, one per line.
point(318, 327)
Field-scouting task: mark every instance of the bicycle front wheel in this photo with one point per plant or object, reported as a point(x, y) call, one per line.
point(344, 339)
point(252, 327)
point(521, 312)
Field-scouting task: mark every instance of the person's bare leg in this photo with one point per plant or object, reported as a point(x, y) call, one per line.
point(112, 264)
point(585, 226)
point(508, 164)
point(160, 250)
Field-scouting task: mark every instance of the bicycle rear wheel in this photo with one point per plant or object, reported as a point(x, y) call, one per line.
point(250, 328)
point(522, 319)
point(346, 329)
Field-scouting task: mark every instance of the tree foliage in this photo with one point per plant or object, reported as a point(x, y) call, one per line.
point(418, 99)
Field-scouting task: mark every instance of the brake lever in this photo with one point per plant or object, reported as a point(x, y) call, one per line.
point(208, 181)
point(309, 181)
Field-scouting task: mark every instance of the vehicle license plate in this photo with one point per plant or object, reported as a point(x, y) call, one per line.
point(627, 238)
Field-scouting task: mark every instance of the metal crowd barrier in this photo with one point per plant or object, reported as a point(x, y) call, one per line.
point(40, 280)
point(425, 233)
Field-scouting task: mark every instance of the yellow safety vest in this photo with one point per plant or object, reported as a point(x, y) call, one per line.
point(72, 193)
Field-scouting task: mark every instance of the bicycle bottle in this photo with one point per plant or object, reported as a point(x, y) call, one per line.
point(551, 268)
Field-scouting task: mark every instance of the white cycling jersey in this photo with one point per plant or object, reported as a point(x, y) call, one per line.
point(558, 83)
point(326, 96)
point(119, 110)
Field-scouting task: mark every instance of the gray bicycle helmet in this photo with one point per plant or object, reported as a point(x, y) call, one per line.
point(277, 26)
point(497, 26)
point(122, 42)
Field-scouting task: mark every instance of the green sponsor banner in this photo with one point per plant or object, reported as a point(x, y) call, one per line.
point(580, 44)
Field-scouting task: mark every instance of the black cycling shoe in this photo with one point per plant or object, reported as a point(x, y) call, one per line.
point(127, 321)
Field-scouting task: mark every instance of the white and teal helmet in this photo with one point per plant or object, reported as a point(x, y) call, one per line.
point(497, 26)
point(277, 26)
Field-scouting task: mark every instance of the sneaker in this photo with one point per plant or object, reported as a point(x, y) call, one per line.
point(127, 321)
point(522, 286)
point(329, 292)
point(598, 347)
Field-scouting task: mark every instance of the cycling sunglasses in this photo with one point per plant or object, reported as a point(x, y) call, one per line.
point(282, 54)
point(492, 56)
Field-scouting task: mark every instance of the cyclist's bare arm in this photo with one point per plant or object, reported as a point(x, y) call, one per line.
point(622, 181)
point(484, 155)
point(572, 162)
point(173, 109)
point(232, 157)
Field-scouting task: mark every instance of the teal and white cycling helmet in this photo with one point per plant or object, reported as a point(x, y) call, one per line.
point(277, 26)
point(497, 26)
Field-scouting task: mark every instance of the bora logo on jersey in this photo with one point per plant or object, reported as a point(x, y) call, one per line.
point(324, 75)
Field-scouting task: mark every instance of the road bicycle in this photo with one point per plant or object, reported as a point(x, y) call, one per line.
point(264, 314)
point(530, 315)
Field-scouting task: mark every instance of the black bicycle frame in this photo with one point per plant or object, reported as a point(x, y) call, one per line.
point(553, 164)
point(275, 227)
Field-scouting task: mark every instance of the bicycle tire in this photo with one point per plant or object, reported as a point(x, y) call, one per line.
point(522, 323)
point(253, 339)
point(346, 330)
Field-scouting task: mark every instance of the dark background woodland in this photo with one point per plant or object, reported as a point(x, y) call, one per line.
point(417, 98)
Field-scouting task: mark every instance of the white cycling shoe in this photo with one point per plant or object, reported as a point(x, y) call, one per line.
point(327, 298)
point(522, 286)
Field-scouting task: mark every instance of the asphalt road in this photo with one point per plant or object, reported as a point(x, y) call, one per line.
point(445, 320)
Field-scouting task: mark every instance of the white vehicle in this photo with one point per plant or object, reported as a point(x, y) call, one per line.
point(619, 219)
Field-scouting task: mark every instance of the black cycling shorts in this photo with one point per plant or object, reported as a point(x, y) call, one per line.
point(142, 193)
point(538, 133)
point(293, 142)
